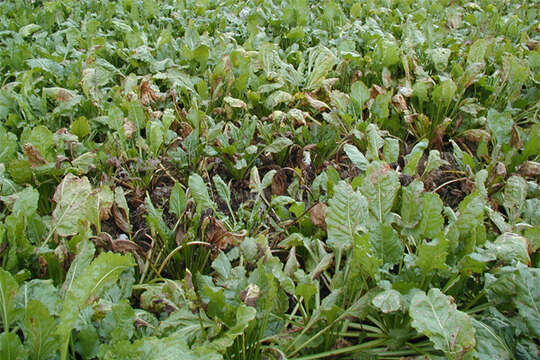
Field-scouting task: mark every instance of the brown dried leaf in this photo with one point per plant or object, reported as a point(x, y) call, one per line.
point(33, 155)
point(120, 219)
point(316, 104)
point(399, 102)
point(148, 95)
point(317, 215)
point(529, 168)
point(279, 183)
point(218, 236)
point(129, 128)
point(63, 95)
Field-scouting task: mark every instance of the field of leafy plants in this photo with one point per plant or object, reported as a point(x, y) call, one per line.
point(269, 179)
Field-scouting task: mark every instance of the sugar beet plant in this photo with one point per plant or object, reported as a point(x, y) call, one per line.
point(269, 179)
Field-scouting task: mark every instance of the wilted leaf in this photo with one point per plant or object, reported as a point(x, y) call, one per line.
point(317, 215)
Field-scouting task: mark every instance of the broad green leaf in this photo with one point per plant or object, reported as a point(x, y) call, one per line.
point(244, 315)
point(321, 61)
point(29, 29)
point(172, 347)
point(432, 255)
point(414, 157)
point(356, 156)
point(155, 136)
point(276, 98)
point(154, 217)
point(39, 331)
point(386, 244)
point(100, 274)
point(436, 316)
point(527, 298)
point(509, 247)
point(118, 324)
point(500, 126)
point(440, 57)
point(391, 150)
point(434, 161)
point(477, 51)
point(387, 301)
point(199, 191)
point(278, 145)
point(177, 201)
point(11, 347)
point(380, 108)
point(444, 93)
point(75, 203)
point(345, 216)
point(48, 65)
point(489, 345)
point(26, 202)
point(42, 290)
point(8, 291)
point(411, 204)
point(515, 193)
point(375, 141)
point(387, 52)
point(8, 145)
point(359, 95)
point(380, 186)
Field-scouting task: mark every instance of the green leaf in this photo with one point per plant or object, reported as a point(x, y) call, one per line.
point(380, 187)
point(11, 347)
point(321, 61)
point(432, 255)
point(444, 93)
point(345, 216)
point(391, 150)
point(527, 298)
point(489, 345)
point(375, 141)
point(276, 98)
point(244, 315)
point(8, 145)
point(172, 347)
point(42, 290)
point(359, 95)
point(386, 244)
point(509, 247)
point(155, 136)
point(434, 161)
point(199, 191)
point(39, 331)
point(8, 291)
point(26, 203)
point(356, 156)
point(380, 108)
point(80, 127)
point(515, 193)
point(500, 126)
point(387, 301)
point(177, 201)
point(100, 274)
point(278, 145)
point(75, 204)
point(411, 203)
point(414, 157)
point(436, 316)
